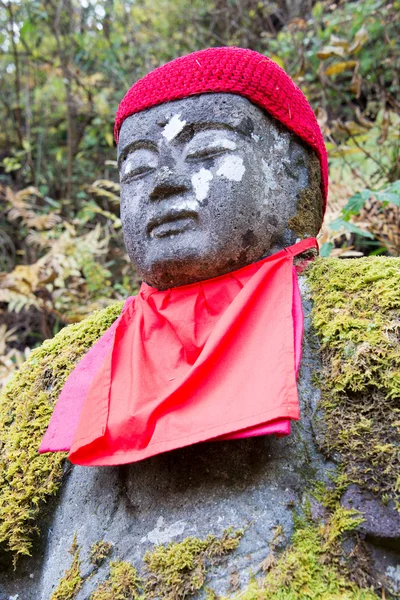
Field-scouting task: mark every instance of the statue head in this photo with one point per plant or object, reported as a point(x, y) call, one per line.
point(211, 182)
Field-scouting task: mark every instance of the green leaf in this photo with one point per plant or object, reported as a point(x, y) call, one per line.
point(326, 249)
point(340, 223)
point(355, 204)
point(27, 29)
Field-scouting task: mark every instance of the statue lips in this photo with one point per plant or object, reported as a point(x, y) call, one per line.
point(171, 223)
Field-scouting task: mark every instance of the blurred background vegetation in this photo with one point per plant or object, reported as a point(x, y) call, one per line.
point(65, 65)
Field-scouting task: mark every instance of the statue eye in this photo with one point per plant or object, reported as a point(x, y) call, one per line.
point(208, 152)
point(135, 172)
point(209, 148)
point(137, 165)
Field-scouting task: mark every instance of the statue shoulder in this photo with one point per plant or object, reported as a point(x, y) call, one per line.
point(26, 404)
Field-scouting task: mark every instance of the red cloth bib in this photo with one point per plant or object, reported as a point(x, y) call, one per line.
point(194, 363)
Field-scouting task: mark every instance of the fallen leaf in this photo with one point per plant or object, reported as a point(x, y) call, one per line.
point(340, 67)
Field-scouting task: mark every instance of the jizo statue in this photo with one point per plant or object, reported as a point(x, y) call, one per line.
point(223, 175)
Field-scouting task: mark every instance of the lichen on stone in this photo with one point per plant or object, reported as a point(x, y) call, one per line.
point(26, 404)
point(356, 315)
point(123, 583)
point(179, 570)
point(71, 582)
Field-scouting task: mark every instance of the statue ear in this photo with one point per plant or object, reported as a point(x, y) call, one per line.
point(305, 168)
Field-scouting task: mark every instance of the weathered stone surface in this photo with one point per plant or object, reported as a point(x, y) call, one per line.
point(381, 522)
point(195, 491)
point(212, 183)
point(380, 530)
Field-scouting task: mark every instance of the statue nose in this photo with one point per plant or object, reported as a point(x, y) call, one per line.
point(168, 182)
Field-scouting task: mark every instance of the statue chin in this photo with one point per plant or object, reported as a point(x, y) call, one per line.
point(184, 259)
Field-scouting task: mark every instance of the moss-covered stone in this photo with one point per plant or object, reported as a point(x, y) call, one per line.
point(27, 478)
point(312, 567)
point(357, 318)
point(307, 568)
point(179, 570)
point(99, 552)
point(71, 583)
point(122, 584)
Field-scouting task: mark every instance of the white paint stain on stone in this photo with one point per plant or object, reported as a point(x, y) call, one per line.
point(190, 204)
point(162, 533)
point(201, 183)
point(281, 143)
point(269, 177)
point(232, 168)
point(128, 167)
point(173, 127)
point(393, 573)
point(255, 137)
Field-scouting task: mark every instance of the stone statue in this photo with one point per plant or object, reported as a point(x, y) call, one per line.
point(210, 183)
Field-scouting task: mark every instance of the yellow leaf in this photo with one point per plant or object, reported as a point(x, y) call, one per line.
point(340, 67)
point(344, 150)
point(279, 61)
point(329, 51)
point(349, 127)
point(359, 40)
point(337, 41)
point(109, 138)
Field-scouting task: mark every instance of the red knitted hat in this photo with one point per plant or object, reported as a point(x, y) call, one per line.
point(237, 71)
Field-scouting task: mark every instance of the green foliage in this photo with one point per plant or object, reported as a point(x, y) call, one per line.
point(26, 404)
point(336, 54)
point(356, 315)
point(65, 67)
point(68, 274)
point(378, 212)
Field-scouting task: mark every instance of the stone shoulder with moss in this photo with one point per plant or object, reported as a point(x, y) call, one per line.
point(342, 457)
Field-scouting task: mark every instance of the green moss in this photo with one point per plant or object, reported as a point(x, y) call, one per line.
point(27, 478)
point(122, 584)
point(72, 581)
point(357, 318)
point(312, 567)
point(178, 570)
point(309, 567)
point(99, 552)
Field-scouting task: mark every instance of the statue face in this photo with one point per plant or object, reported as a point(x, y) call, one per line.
point(209, 184)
